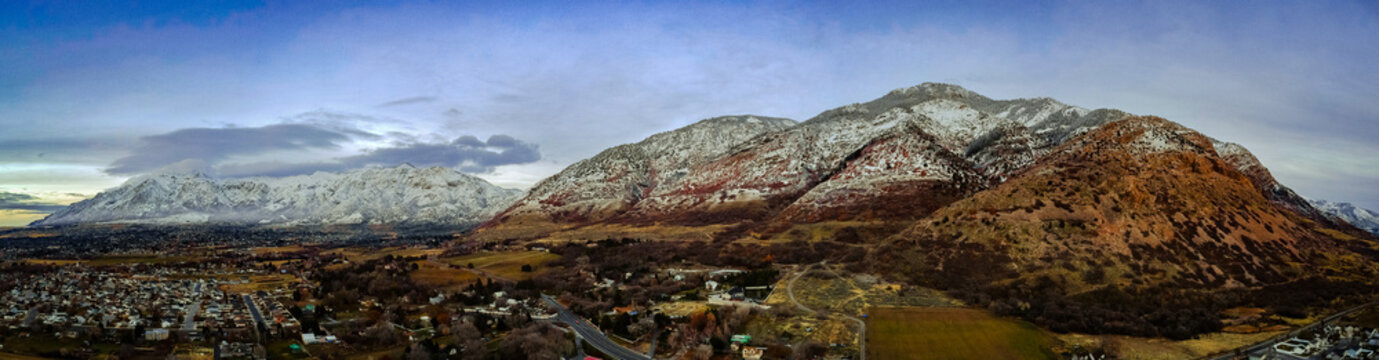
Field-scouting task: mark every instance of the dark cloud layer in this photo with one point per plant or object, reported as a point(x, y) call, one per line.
point(467, 153)
point(18, 201)
point(212, 145)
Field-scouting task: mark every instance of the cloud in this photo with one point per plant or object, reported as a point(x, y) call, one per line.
point(467, 153)
point(92, 150)
point(578, 79)
point(213, 145)
point(408, 101)
point(26, 202)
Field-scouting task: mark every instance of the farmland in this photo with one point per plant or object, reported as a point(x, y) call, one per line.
point(951, 333)
point(441, 276)
point(506, 265)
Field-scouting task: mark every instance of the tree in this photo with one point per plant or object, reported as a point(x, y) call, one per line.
point(703, 352)
point(810, 350)
point(469, 340)
point(535, 341)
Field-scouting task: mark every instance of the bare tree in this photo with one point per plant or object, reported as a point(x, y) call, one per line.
point(703, 352)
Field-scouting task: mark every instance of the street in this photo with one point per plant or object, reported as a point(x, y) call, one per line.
point(592, 335)
point(254, 310)
point(190, 321)
point(1263, 346)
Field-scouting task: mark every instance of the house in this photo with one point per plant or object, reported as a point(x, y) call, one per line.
point(156, 335)
point(752, 353)
point(737, 294)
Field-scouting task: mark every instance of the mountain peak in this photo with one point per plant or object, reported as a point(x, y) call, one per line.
point(1365, 219)
point(378, 195)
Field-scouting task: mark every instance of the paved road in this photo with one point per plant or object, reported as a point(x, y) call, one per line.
point(1267, 343)
point(861, 325)
point(592, 335)
point(29, 320)
point(190, 323)
point(254, 310)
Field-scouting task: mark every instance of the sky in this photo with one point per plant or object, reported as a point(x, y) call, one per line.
point(94, 93)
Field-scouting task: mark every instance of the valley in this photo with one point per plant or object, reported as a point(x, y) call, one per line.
point(930, 223)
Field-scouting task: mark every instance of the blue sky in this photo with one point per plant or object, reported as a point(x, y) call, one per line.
point(92, 93)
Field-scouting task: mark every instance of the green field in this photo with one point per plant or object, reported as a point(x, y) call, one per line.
point(951, 333)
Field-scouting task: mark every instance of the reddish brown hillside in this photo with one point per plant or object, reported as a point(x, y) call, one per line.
point(1141, 203)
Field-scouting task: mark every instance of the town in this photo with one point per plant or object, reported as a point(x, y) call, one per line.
point(219, 297)
point(468, 300)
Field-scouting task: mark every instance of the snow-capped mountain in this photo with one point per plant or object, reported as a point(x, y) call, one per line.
point(905, 154)
point(398, 195)
point(619, 177)
point(1362, 218)
point(898, 157)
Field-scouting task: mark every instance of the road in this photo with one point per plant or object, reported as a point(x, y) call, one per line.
point(254, 310)
point(861, 325)
point(1267, 343)
point(591, 334)
point(33, 315)
point(190, 323)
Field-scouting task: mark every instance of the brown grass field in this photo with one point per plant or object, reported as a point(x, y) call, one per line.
point(261, 282)
point(365, 254)
point(277, 249)
point(430, 274)
point(507, 265)
point(1138, 348)
point(952, 333)
point(59, 262)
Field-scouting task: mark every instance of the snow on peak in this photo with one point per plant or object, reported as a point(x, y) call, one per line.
point(1365, 219)
point(398, 195)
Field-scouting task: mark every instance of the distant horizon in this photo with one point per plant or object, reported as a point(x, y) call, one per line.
point(94, 94)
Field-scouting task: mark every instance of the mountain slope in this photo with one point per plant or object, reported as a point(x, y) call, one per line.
point(400, 195)
point(1362, 218)
point(616, 179)
point(896, 158)
point(1141, 205)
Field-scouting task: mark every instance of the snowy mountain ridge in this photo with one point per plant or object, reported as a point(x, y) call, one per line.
point(900, 156)
point(398, 195)
point(1362, 218)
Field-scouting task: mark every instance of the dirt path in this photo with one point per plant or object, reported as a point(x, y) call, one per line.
point(861, 325)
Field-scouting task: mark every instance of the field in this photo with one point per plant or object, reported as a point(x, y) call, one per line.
point(365, 254)
point(852, 293)
point(262, 282)
point(431, 274)
point(952, 333)
point(277, 249)
point(36, 344)
point(1137, 348)
point(506, 265)
point(9, 356)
